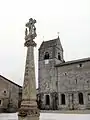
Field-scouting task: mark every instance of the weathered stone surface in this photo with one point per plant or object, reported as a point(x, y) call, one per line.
point(29, 91)
point(9, 95)
point(57, 76)
point(28, 109)
point(47, 79)
point(76, 80)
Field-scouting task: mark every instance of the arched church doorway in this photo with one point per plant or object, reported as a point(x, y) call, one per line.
point(47, 100)
point(80, 95)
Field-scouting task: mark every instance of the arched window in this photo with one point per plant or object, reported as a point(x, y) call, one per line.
point(0, 102)
point(46, 56)
point(80, 65)
point(62, 99)
point(80, 95)
point(59, 57)
point(47, 100)
point(76, 81)
point(89, 96)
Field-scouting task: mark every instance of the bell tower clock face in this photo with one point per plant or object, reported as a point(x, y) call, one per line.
point(46, 61)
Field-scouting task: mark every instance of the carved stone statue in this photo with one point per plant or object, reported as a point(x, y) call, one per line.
point(31, 34)
point(32, 29)
point(26, 32)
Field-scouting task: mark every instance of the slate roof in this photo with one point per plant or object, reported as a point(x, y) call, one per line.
point(46, 44)
point(10, 81)
point(50, 43)
point(73, 62)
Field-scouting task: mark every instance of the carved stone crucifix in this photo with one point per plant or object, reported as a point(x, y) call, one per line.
point(31, 26)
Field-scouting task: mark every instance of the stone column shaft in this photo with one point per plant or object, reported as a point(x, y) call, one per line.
point(29, 87)
point(28, 109)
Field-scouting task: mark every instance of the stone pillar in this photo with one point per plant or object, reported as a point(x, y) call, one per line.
point(28, 109)
point(76, 104)
point(59, 97)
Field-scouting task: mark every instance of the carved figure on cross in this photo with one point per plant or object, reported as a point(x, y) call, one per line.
point(31, 26)
point(30, 32)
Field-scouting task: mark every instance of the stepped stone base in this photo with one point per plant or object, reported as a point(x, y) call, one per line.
point(26, 112)
point(28, 118)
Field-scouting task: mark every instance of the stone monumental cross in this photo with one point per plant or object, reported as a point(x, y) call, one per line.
point(28, 109)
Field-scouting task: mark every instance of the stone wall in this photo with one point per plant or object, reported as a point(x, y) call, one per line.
point(47, 74)
point(47, 82)
point(74, 79)
point(61, 80)
point(9, 95)
point(14, 97)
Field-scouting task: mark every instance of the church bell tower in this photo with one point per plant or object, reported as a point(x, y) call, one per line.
point(50, 54)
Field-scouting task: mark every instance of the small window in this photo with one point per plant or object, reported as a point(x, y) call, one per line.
point(80, 65)
point(56, 84)
point(65, 73)
point(46, 56)
point(4, 91)
point(76, 81)
point(87, 81)
point(59, 57)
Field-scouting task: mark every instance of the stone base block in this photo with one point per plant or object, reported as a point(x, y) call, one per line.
point(29, 118)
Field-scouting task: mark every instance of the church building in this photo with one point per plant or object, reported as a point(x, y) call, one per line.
point(10, 95)
point(62, 85)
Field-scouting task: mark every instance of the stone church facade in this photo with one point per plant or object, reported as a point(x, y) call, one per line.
point(62, 85)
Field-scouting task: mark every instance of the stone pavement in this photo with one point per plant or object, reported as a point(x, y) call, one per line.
point(49, 116)
point(67, 112)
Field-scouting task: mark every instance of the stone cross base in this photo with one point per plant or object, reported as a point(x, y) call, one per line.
point(28, 118)
point(28, 113)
